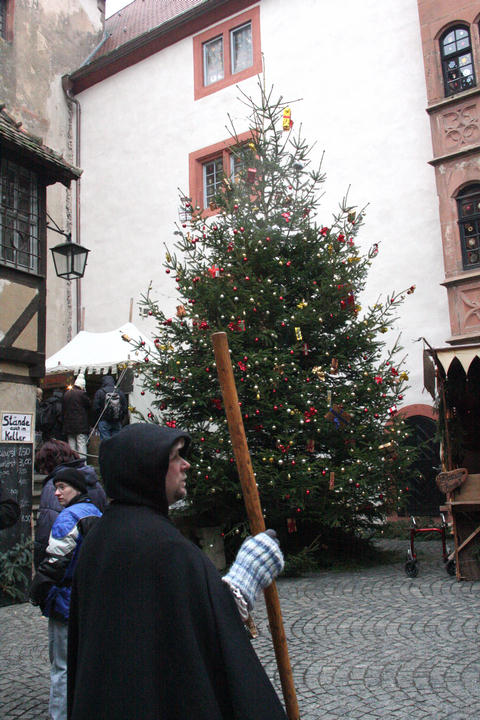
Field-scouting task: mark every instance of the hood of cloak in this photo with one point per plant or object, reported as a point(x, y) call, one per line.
point(134, 463)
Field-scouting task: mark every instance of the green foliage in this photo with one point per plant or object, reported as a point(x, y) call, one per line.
point(317, 385)
point(303, 562)
point(15, 567)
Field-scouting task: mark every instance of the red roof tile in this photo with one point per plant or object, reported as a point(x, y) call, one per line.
point(139, 17)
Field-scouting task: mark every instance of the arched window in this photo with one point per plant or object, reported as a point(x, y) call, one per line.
point(457, 60)
point(468, 202)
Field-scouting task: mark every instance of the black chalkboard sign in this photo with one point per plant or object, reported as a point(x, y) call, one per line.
point(16, 464)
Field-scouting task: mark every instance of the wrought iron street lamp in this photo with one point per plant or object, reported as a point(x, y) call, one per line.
point(69, 258)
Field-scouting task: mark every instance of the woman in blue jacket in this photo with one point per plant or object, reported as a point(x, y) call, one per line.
point(54, 456)
point(52, 585)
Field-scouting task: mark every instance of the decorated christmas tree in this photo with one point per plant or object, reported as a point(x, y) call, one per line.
point(319, 388)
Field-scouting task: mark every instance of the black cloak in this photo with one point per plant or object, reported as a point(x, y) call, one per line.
point(154, 633)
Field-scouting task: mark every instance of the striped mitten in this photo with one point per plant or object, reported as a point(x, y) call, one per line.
point(257, 564)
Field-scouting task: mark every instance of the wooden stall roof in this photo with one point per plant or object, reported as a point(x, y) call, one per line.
point(463, 353)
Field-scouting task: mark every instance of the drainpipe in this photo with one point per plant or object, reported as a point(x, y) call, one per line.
point(66, 84)
point(67, 89)
point(94, 52)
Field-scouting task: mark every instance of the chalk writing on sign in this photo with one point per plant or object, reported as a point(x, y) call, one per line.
point(16, 427)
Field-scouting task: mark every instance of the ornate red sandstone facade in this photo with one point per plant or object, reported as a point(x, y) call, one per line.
point(455, 126)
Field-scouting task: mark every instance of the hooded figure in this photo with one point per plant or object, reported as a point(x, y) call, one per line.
point(154, 632)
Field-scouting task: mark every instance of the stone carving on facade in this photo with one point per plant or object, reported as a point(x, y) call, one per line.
point(461, 126)
point(471, 309)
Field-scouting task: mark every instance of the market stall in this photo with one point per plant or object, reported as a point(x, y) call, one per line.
point(454, 376)
point(98, 354)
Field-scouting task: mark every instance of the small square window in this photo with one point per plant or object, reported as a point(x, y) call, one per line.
point(209, 169)
point(213, 61)
point(241, 48)
point(227, 53)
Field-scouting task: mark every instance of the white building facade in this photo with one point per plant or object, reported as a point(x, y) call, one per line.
point(150, 115)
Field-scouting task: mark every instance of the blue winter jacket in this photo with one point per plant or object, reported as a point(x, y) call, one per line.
point(50, 508)
point(52, 585)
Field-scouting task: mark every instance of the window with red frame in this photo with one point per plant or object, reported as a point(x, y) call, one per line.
point(227, 53)
point(210, 167)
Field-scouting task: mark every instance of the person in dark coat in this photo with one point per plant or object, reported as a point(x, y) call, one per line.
point(110, 405)
point(50, 417)
point(154, 632)
point(54, 456)
point(9, 511)
point(75, 407)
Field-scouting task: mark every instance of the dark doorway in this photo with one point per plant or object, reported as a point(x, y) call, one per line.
point(424, 498)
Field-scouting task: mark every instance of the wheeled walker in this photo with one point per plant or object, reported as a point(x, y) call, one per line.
point(411, 566)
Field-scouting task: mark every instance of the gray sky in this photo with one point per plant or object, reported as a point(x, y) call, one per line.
point(111, 6)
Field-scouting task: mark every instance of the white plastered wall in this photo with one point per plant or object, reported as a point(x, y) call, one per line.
point(359, 71)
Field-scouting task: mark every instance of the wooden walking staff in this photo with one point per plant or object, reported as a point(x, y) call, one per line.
point(254, 513)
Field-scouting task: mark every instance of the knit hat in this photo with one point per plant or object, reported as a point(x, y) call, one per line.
point(72, 477)
point(80, 381)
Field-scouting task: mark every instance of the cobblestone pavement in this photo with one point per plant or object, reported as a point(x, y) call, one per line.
point(372, 644)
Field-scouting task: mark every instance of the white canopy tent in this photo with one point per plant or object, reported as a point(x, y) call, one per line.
point(103, 353)
point(99, 353)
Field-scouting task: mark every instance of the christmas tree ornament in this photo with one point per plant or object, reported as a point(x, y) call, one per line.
point(298, 333)
point(338, 416)
point(251, 175)
point(331, 483)
point(334, 366)
point(287, 122)
point(319, 372)
point(181, 312)
point(291, 525)
point(214, 271)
